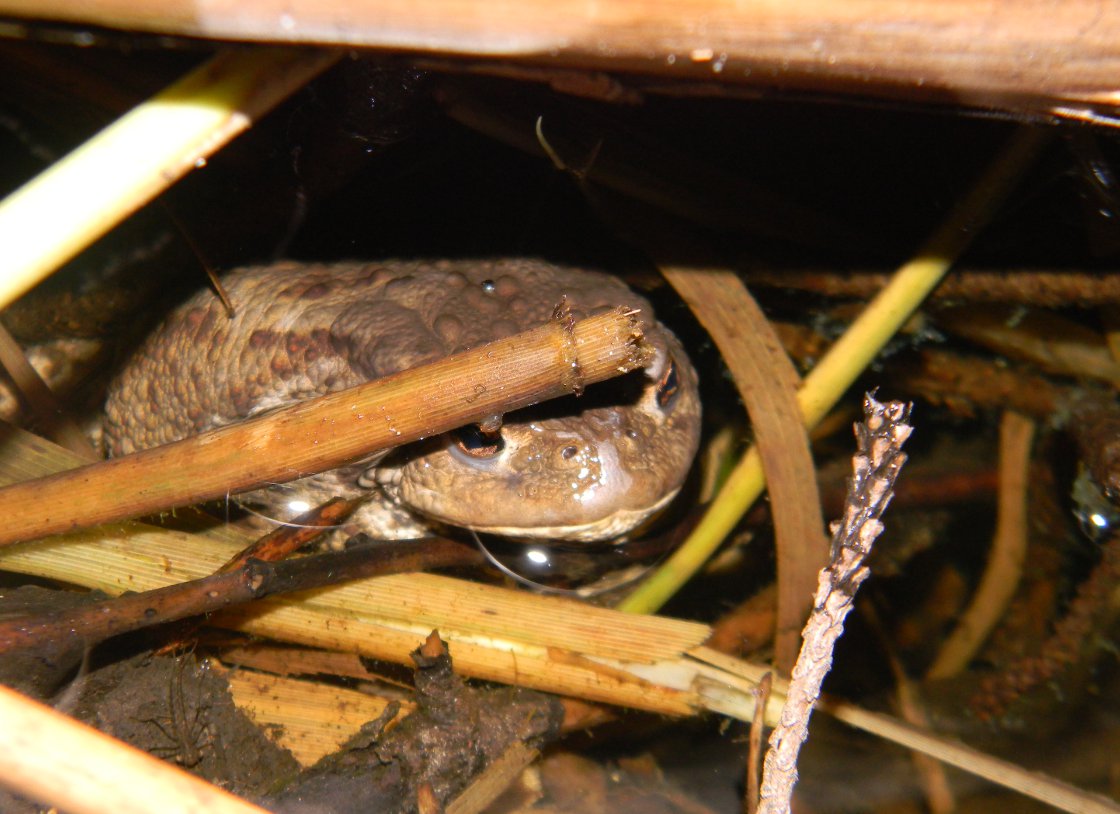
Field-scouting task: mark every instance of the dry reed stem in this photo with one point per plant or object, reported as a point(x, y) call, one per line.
point(55, 760)
point(1032, 784)
point(768, 383)
point(961, 52)
point(497, 634)
point(728, 687)
point(311, 436)
point(931, 775)
point(53, 635)
point(79, 198)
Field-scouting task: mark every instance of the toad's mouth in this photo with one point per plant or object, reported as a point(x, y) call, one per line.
point(540, 485)
point(614, 527)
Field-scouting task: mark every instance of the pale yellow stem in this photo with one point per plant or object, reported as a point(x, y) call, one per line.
point(81, 197)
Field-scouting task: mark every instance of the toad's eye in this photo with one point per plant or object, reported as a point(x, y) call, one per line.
point(478, 444)
point(669, 387)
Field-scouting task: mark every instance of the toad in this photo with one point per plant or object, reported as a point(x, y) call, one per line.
point(586, 468)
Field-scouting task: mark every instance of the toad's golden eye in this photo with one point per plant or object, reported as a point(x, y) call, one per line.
point(478, 444)
point(668, 387)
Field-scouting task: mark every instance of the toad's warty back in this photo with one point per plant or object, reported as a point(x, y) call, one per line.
point(580, 469)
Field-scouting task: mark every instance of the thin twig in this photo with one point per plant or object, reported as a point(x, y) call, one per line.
point(289, 538)
point(86, 625)
point(754, 752)
point(875, 467)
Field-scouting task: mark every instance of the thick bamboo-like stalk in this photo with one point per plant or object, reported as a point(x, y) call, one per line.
point(1024, 55)
point(547, 643)
point(319, 434)
point(54, 759)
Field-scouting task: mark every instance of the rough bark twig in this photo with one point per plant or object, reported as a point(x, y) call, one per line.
point(1036, 785)
point(1026, 286)
point(64, 634)
point(1095, 607)
point(875, 466)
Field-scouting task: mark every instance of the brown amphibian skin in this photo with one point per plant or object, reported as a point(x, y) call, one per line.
point(586, 469)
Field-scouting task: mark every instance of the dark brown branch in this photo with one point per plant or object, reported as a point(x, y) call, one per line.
point(1058, 289)
point(64, 635)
